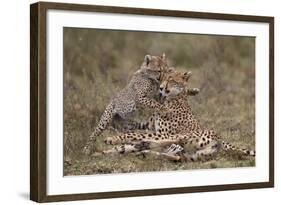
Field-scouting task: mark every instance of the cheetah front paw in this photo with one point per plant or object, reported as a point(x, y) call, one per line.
point(174, 149)
point(193, 91)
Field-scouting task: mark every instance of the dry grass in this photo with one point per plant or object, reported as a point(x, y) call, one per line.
point(98, 63)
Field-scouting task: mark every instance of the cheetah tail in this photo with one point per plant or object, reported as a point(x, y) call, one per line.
point(227, 146)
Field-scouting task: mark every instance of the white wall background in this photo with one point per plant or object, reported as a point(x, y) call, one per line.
point(14, 103)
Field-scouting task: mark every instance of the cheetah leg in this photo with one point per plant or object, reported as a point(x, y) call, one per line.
point(128, 148)
point(206, 152)
point(136, 146)
point(150, 103)
point(153, 138)
point(174, 149)
point(136, 142)
point(105, 120)
point(173, 152)
point(168, 156)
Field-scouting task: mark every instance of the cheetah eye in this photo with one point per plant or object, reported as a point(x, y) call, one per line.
point(167, 91)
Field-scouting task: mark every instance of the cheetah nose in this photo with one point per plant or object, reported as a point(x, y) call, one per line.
point(160, 94)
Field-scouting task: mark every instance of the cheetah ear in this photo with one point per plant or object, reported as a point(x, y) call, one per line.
point(163, 57)
point(147, 59)
point(186, 75)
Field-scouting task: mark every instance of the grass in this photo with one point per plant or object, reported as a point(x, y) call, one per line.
point(99, 63)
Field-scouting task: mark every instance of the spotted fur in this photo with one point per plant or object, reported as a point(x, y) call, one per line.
point(138, 93)
point(178, 125)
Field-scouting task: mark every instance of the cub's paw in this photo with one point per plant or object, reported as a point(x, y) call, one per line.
point(193, 91)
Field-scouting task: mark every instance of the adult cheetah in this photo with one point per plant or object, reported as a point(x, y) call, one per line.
point(176, 126)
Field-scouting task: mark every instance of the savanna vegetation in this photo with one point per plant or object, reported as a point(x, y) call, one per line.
point(98, 63)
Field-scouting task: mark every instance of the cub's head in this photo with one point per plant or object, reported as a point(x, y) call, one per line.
point(173, 84)
point(154, 67)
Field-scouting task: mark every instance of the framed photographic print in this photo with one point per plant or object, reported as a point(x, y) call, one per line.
point(134, 102)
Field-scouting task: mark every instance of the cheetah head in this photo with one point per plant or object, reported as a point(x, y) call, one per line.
point(154, 67)
point(173, 84)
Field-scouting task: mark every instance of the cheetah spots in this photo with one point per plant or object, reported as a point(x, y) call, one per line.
point(109, 140)
point(122, 151)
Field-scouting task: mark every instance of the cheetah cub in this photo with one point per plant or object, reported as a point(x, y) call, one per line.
point(138, 93)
